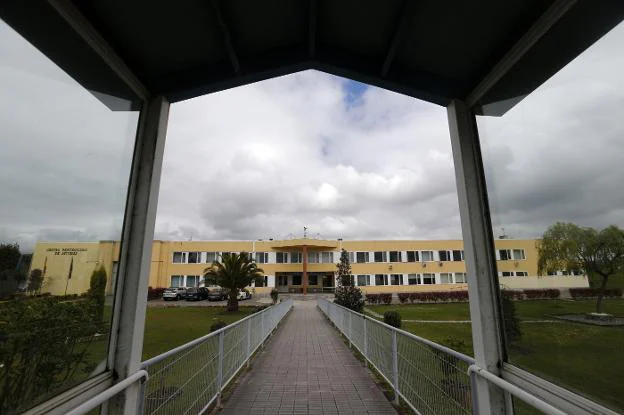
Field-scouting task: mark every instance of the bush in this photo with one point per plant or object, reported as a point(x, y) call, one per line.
point(392, 318)
point(349, 297)
point(274, 295)
point(154, 293)
point(542, 294)
point(372, 298)
point(403, 297)
point(435, 296)
point(592, 292)
point(513, 294)
point(385, 298)
point(219, 324)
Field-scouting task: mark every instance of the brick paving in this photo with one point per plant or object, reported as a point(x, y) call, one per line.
point(307, 369)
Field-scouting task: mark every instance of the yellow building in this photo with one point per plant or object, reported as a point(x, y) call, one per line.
point(302, 264)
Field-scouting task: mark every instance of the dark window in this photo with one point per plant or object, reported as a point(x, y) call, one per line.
point(444, 255)
point(362, 257)
point(395, 256)
point(458, 255)
point(412, 256)
point(505, 254)
point(396, 279)
point(193, 257)
point(412, 279)
point(296, 280)
point(313, 279)
point(380, 256)
point(281, 257)
point(362, 280)
point(381, 279)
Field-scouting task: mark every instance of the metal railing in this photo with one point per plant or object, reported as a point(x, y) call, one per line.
point(430, 378)
point(189, 378)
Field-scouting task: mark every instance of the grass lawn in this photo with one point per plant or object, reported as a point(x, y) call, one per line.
point(169, 327)
point(583, 357)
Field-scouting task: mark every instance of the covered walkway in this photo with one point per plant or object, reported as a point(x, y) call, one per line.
point(306, 368)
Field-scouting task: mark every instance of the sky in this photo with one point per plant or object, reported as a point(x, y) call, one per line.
point(341, 158)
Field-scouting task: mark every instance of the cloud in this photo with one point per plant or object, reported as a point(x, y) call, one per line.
point(308, 149)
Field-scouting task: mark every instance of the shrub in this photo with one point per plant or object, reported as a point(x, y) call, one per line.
point(392, 318)
point(542, 294)
point(154, 293)
point(513, 294)
point(274, 295)
point(403, 297)
point(413, 297)
point(592, 292)
point(349, 297)
point(385, 298)
point(219, 324)
point(372, 298)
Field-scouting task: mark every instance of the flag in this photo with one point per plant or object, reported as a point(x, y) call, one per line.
point(71, 269)
point(45, 265)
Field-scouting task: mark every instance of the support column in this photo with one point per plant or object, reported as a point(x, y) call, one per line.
point(474, 212)
point(136, 250)
point(305, 270)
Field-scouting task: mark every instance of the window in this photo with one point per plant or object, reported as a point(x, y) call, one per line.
point(192, 280)
point(296, 279)
point(395, 256)
point(351, 257)
point(446, 278)
point(262, 257)
point(362, 280)
point(412, 279)
point(518, 254)
point(281, 257)
point(313, 257)
point(296, 257)
point(381, 256)
point(412, 256)
point(458, 255)
point(460, 278)
point(381, 279)
point(427, 256)
point(327, 257)
point(361, 257)
point(506, 274)
point(427, 279)
point(396, 279)
point(504, 254)
point(194, 257)
point(312, 279)
point(522, 274)
point(179, 257)
point(211, 257)
point(444, 255)
point(176, 280)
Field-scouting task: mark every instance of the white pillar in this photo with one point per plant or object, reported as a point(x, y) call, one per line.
point(479, 254)
point(136, 251)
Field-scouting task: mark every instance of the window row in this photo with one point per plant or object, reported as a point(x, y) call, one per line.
point(513, 274)
point(363, 280)
point(510, 254)
point(197, 257)
point(363, 257)
point(185, 281)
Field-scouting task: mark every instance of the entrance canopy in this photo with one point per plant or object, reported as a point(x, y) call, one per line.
point(483, 52)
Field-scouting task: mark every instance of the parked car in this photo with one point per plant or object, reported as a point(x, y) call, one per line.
point(196, 294)
point(217, 294)
point(243, 294)
point(174, 293)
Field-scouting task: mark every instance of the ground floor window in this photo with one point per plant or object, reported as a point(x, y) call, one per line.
point(396, 279)
point(381, 279)
point(296, 280)
point(427, 279)
point(192, 280)
point(362, 280)
point(522, 274)
point(446, 278)
point(313, 279)
point(507, 274)
point(412, 279)
point(176, 280)
point(460, 277)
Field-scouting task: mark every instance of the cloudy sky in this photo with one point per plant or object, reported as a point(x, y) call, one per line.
point(344, 159)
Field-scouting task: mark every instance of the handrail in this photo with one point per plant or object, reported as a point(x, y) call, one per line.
point(106, 394)
point(532, 400)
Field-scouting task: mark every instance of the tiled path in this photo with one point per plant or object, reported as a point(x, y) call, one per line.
point(307, 369)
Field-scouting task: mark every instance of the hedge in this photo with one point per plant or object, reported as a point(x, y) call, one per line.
point(548, 293)
point(403, 297)
point(154, 293)
point(592, 292)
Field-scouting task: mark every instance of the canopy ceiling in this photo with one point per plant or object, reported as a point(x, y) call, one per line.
point(487, 51)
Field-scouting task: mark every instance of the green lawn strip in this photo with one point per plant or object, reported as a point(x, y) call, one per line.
point(169, 327)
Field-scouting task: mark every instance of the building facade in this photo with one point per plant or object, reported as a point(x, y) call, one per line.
point(302, 265)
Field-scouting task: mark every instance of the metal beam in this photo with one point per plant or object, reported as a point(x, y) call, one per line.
point(522, 46)
point(136, 252)
point(399, 32)
point(485, 314)
point(227, 38)
point(312, 28)
point(82, 26)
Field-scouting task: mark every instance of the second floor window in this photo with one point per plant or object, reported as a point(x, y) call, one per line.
point(281, 257)
point(412, 256)
point(179, 257)
point(380, 256)
point(395, 256)
point(194, 257)
point(361, 257)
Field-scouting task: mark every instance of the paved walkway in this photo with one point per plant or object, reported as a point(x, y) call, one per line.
point(307, 369)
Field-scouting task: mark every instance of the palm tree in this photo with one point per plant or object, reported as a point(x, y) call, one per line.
point(233, 272)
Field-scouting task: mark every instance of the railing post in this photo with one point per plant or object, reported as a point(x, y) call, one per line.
point(248, 342)
point(473, 393)
point(365, 342)
point(220, 368)
point(142, 390)
point(395, 367)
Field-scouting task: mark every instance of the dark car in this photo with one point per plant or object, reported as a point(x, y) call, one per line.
point(217, 294)
point(196, 293)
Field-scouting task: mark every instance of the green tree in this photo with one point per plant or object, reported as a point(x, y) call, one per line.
point(9, 276)
point(569, 247)
point(97, 293)
point(346, 294)
point(35, 281)
point(233, 272)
